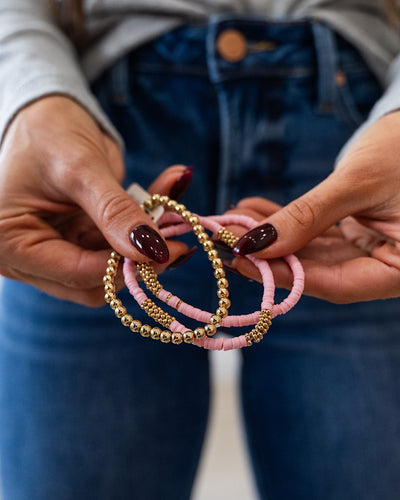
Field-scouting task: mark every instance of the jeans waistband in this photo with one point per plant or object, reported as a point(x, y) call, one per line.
point(271, 50)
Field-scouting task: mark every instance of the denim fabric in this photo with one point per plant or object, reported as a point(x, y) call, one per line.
point(90, 411)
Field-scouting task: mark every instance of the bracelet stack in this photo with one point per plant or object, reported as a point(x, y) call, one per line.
point(174, 331)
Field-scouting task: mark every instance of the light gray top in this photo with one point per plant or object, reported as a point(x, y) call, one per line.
point(37, 59)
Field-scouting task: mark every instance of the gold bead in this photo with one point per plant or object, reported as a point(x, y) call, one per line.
point(112, 262)
point(107, 279)
point(208, 245)
point(202, 237)
point(115, 303)
point(145, 330)
point(210, 330)
point(199, 333)
point(219, 273)
point(155, 333)
point(109, 296)
point(164, 199)
point(120, 311)
point(148, 204)
point(109, 287)
point(193, 220)
point(177, 338)
point(186, 215)
point(215, 320)
point(198, 229)
point(111, 270)
point(188, 337)
point(260, 328)
point(212, 254)
point(165, 336)
point(136, 325)
point(126, 320)
point(179, 209)
point(248, 338)
point(172, 204)
point(224, 302)
point(222, 283)
point(156, 197)
point(222, 293)
point(222, 312)
point(115, 255)
point(216, 263)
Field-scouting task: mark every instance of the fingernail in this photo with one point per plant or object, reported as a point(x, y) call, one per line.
point(233, 270)
point(181, 184)
point(182, 259)
point(224, 250)
point(145, 239)
point(258, 238)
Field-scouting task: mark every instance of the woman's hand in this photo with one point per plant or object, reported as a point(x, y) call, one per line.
point(358, 261)
point(62, 206)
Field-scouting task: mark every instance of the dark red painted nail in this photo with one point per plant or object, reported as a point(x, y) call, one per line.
point(256, 239)
point(181, 185)
point(145, 239)
point(182, 258)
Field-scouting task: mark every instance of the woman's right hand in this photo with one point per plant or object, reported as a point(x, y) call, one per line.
point(62, 205)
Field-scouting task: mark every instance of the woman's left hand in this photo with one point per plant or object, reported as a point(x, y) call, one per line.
point(346, 263)
point(360, 260)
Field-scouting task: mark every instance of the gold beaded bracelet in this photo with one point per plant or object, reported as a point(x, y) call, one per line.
point(174, 331)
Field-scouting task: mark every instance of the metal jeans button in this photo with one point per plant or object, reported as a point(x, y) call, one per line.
point(232, 45)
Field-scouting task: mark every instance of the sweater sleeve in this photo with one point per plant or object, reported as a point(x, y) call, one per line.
point(389, 102)
point(37, 59)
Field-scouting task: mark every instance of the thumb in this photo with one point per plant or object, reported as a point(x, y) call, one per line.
point(120, 219)
point(294, 225)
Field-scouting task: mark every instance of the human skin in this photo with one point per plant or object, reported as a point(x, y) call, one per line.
point(346, 230)
point(61, 203)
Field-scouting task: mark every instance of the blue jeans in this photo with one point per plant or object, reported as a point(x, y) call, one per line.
point(90, 411)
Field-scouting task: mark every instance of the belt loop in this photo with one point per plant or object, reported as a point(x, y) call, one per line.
point(120, 81)
point(325, 46)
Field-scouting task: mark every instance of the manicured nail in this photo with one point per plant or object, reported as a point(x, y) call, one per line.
point(224, 250)
point(256, 239)
point(182, 259)
point(233, 270)
point(149, 243)
point(181, 184)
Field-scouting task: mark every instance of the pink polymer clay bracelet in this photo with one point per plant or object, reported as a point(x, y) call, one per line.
point(214, 223)
point(176, 332)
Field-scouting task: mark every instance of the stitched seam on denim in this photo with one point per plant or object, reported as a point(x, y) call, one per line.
point(346, 108)
point(262, 475)
point(262, 73)
point(228, 74)
point(166, 69)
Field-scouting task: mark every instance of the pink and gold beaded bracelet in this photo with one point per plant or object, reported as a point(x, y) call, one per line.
point(174, 331)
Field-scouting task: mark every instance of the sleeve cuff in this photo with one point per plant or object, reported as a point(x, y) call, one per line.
point(40, 87)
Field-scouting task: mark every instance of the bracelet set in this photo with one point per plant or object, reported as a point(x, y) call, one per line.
point(179, 220)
